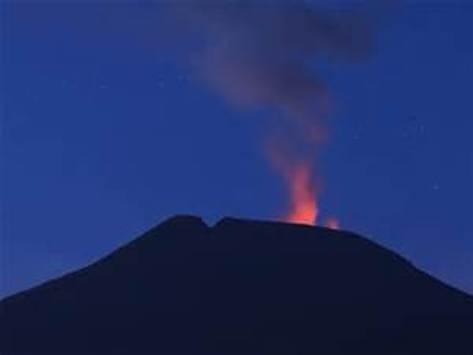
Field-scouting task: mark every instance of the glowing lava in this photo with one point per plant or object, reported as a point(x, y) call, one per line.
point(332, 223)
point(304, 207)
point(299, 178)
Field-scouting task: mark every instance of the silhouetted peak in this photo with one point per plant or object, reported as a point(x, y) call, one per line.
point(174, 232)
point(253, 226)
point(233, 222)
point(240, 286)
point(184, 222)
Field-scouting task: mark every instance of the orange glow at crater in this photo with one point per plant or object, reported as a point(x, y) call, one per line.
point(304, 207)
point(301, 184)
point(332, 223)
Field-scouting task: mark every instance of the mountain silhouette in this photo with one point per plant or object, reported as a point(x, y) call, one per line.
point(241, 287)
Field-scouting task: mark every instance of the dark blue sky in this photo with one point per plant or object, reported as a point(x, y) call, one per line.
point(105, 133)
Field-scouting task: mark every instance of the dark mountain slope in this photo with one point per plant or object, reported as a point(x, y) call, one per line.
point(241, 287)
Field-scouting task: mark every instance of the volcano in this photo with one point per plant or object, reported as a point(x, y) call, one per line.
point(241, 287)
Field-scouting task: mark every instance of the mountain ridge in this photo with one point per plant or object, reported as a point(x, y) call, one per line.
point(241, 286)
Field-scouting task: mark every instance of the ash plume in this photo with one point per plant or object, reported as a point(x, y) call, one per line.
point(267, 55)
point(264, 54)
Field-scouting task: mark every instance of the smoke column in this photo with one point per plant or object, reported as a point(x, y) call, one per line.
point(264, 54)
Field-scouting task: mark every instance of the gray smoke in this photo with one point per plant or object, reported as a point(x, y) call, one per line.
point(264, 54)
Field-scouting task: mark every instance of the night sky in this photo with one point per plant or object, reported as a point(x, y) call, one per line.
point(106, 131)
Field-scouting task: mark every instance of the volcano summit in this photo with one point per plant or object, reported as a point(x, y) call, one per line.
point(241, 287)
